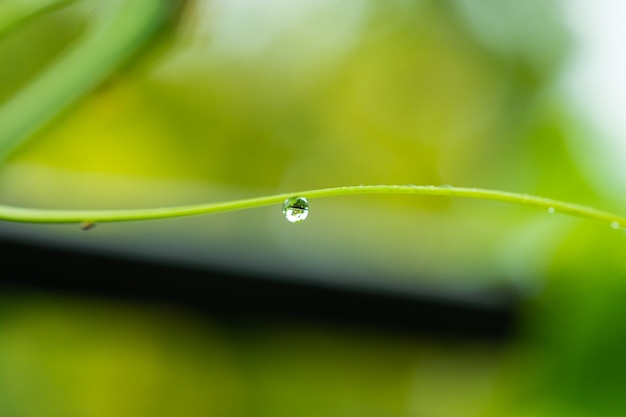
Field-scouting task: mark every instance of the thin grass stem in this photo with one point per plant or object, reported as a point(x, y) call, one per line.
point(16, 214)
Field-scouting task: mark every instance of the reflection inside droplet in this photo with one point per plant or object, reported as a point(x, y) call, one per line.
point(296, 209)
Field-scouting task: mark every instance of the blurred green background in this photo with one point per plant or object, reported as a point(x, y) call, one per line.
point(242, 98)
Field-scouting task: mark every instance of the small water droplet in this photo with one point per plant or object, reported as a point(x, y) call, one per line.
point(551, 210)
point(87, 226)
point(446, 186)
point(296, 209)
point(615, 225)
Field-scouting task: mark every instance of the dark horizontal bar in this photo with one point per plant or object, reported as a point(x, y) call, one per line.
point(246, 298)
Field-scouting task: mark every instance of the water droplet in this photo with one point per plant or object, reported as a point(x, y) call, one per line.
point(615, 225)
point(551, 210)
point(296, 209)
point(445, 186)
point(87, 226)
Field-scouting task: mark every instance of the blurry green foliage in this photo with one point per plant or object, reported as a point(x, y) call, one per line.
point(90, 358)
point(244, 98)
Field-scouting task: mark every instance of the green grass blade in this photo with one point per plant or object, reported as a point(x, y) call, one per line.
point(118, 30)
point(14, 13)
